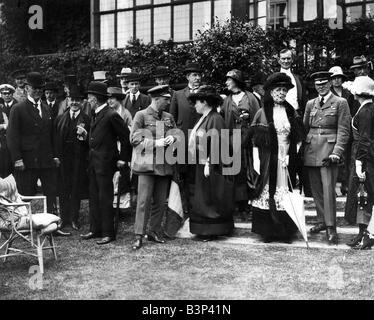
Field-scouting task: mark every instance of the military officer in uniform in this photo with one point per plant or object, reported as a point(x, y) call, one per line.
point(327, 120)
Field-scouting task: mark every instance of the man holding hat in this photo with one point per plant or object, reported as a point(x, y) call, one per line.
point(135, 100)
point(50, 93)
point(154, 176)
point(327, 123)
point(30, 140)
point(71, 143)
point(123, 79)
point(185, 115)
point(20, 93)
point(107, 127)
point(7, 92)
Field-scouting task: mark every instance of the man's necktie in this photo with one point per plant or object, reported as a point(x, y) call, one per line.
point(133, 99)
point(37, 110)
point(322, 102)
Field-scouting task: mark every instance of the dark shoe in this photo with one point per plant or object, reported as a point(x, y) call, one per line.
point(138, 243)
point(318, 228)
point(355, 240)
point(105, 240)
point(88, 236)
point(60, 233)
point(332, 236)
point(152, 236)
point(75, 225)
point(366, 244)
point(210, 238)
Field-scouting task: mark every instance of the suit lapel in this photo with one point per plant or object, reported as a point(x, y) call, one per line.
point(328, 102)
point(99, 117)
point(186, 91)
point(34, 113)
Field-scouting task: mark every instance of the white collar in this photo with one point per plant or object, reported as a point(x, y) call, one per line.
point(100, 108)
point(10, 103)
point(257, 94)
point(288, 71)
point(136, 95)
point(76, 113)
point(53, 102)
point(33, 101)
point(326, 97)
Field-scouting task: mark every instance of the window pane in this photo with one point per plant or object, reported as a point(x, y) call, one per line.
point(107, 31)
point(162, 23)
point(201, 16)
point(262, 8)
point(143, 25)
point(125, 28)
point(142, 2)
point(351, 1)
point(125, 4)
point(262, 23)
point(160, 1)
point(107, 5)
point(182, 23)
point(251, 11)
point(354, 13)
point(222, 9)
point(370, 10)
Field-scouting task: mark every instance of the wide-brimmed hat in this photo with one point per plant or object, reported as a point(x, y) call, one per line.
point(363, 85)
point(160, 91)
point(278, 79)
point(124, 73)
point(161, 72)
point(321, 77)
point(50, 86)
point(337, 71)
point(100, 75)
point(19, 73)
point(192, 67)
point(207, 93)
point(236, 75)
point(77, 92)
point(98, 88)
point(7, 88)
point(358, 62)
point(133, 76)
point(35, 80)
point(116, 92)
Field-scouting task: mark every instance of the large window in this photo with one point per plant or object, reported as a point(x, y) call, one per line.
point(153, 20)
point(278, 14)
point(355, 9)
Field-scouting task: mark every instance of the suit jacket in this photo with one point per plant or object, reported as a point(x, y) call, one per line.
point(5, 109)
point(183, 111)
point(141, 103)
point(301, 93)
point(29, 136)
point(106, 130)
point(328, 129)
point(352, 103)
point(54, 109)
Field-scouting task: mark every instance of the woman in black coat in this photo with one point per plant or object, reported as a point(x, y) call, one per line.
point(213, 201)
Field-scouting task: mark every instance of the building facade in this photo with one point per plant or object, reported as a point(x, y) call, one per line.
point(115, 22)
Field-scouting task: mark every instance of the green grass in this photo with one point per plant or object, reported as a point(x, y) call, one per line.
point(188, 269)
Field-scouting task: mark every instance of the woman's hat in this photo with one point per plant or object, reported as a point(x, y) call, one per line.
point(161, 72)
point(337, 72)
point(359, 62)
point(35, 80)
point(278, 79)
point(363, 85)
point(98, 88)
point(236, 75)
point(116, 92)
point(207, 93)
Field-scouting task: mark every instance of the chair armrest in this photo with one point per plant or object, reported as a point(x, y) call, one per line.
point(44, 198)
point(15, 204)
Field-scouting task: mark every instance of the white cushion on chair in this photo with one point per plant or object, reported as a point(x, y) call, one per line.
point(43, 220)
point(51, 228)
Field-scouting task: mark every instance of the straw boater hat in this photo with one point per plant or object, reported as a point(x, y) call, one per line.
point(207, 93)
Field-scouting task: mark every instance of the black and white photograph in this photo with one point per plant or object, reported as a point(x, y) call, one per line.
point(186, 155)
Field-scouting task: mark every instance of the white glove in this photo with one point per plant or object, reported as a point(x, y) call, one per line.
point(160, 142)
point(256, 160)
point(206, 170)
point(361, 175)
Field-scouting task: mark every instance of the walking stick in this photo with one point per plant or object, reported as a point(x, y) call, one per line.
point(116, 215)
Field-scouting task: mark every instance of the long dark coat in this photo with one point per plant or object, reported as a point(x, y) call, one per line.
point(77, 160)
point(5, 160)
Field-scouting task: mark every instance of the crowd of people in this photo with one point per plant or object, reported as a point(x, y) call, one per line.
point(281, 138)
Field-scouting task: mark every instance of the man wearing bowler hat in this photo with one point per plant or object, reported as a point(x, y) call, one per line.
point(107, 127)
point(30, 140)
point(185, 116)
point(71, 143)
point(135, 100)
point(50, 93)
point(20, 93)
point(7, 91)
point(326, 120)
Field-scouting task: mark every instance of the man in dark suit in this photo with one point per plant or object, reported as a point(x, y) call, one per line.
point(8, 101)
point(185, 116)
point(50, 92)
point(257, 86)
point(107, 127)
point(71, 143)
point(30, 140)
point(135, 100)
